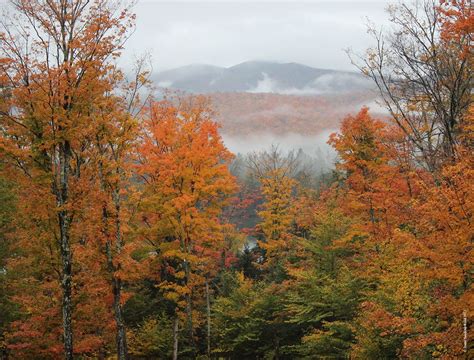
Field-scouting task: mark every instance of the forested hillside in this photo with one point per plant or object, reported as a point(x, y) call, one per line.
point(244, 114)
point(129, 230)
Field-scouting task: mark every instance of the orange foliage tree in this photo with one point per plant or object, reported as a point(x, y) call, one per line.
point(410, 237)
point(57, 66)
point(183, 164)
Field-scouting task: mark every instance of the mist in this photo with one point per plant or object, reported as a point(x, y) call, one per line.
point(314, 146)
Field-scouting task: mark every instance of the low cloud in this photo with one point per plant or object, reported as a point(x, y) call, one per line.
point(324, 84)
point(311, 145)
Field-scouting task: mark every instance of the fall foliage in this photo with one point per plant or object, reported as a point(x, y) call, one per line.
point(128, 230)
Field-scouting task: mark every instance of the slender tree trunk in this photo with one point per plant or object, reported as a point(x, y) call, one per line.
point(175, 338)
point(208, 309)
point(189, 315)
point(66, 284)
point(189, 308)
point(64, 219)
point(122, 351)
point(277, 349)
point(121, 335)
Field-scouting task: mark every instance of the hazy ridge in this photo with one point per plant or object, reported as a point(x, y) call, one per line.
point(262, 77)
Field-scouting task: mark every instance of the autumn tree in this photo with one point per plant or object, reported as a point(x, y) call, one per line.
point(57, 60)
point(113, 151)
point(424, 78)
point(424, 73)
point(373, 190)
point(275, 172)
point(377, 188)
point(186, 183)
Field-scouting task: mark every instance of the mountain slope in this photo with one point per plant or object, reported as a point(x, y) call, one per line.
point(246, 114)
point(262, 77)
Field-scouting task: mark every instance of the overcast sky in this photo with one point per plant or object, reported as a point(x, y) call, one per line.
point(225, 33)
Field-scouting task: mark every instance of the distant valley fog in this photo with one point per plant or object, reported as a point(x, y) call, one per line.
point(315, 146)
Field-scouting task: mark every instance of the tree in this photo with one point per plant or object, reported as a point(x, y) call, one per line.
point(114, 144)
point(375, 190)
point(378, 187)
point(56, 60)
point(249, 321)
point(324, 293)
point(424, 78)
point(183, 164)
point(274, 171)
point(424, 72)
point(442, 246)
point(323, 307)
point(153, 338)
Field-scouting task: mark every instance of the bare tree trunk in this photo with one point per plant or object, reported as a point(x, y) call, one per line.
point(208, 309)
point(64, 219)
point(175, 338)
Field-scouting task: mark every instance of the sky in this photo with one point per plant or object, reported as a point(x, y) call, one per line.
point(225, 33)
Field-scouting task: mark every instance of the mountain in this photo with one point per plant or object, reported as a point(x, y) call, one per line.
point(262, 77)
point(258, 103)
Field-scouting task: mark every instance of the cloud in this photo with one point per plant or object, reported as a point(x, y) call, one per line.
point(325, 84)
point(310, 144)
point(269, 85)
point(226, 33)
point(376, 107)
point(266, 85)
point(165, 84)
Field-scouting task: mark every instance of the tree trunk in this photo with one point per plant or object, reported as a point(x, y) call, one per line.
point(66, 284)
point(277, 349)
point(189, 309)
point(122, 351)
point(64, 219)
point(121, 334)
point(175, 338)
point(189, 315)
point(208, 309)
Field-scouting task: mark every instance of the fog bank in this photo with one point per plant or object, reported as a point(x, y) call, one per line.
point(313, 145)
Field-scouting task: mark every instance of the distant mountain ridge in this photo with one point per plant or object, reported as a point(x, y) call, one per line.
point(262, 77)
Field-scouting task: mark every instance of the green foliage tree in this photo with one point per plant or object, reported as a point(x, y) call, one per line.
point(152, 339)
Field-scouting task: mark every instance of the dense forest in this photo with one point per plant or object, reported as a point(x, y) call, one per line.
point(128, 230)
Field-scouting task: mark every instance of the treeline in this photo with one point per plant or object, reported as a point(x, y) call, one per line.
point(124, 233)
